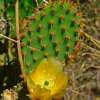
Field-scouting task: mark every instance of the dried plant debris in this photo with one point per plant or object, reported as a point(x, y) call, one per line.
point(85, 70)
point(9, 95)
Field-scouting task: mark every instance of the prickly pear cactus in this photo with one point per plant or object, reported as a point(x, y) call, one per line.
point(51, 32)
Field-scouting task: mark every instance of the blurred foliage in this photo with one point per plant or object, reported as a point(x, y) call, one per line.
point(26, 7)
point(7, 24)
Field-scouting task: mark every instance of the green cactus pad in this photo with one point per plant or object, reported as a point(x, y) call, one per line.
point(52, 33)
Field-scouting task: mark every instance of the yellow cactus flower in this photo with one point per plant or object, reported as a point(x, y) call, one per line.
point(47, 80)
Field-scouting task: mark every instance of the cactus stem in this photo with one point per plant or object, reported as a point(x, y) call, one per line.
point(18, 37)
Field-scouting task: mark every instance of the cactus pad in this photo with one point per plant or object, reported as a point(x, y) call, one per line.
point(51, 32)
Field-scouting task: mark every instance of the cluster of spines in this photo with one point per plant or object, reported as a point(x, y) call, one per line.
point(52, 33)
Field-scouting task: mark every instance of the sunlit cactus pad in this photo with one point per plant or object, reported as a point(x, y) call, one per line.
point(52, 32)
